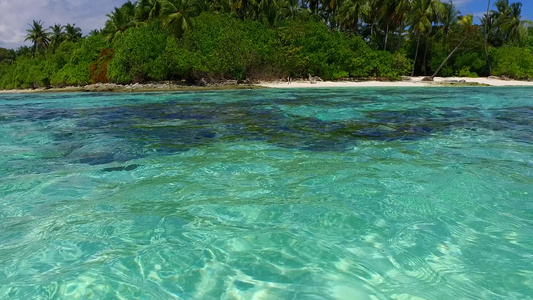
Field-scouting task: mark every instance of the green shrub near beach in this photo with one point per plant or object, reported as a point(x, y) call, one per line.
point(26, 72)
point(69, 64)
point(229, 48)
point(513, 62)
point(76, 71)
point(222, 47)
point(136, 53)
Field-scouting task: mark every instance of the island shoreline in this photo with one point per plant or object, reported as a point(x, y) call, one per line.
point(279, 84)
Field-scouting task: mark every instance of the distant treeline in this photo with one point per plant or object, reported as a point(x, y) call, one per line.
point(199, 40)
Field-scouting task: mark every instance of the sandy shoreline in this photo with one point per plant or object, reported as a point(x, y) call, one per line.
point(407, 82)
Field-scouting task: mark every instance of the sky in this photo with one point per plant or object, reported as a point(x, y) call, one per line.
point(15, 15)
point(479, 7)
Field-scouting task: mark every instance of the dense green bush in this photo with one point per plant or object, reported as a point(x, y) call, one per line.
point(469, 60)
point(6, 56)
point(513, 62)
point(178, 62)
point(69, 64)
point(468, 64)
point(311, 48)
point(77, 69)
point(223, 47)
point(136, 52)
point(228, 48)
point(26, 72)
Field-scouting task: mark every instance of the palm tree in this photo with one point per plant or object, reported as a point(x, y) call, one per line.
point(38, 36)
point(403, 7)
point(269, 11)
point(494, 35)
point(385, 20)
point(289, 8)
point(373, 14)
point(223, 6)
point(392, 16)
point(334, 7)
point(486, 43)
point(421, 18)
point(510, 23)
point(119, 21)
point(7, 56)
point(326, 11)
point(95, 32)
point(57, 35)
point(468, 28)
point(449, 17)
point(313, 5)
point(499, 16)
point(178, 15)
point(202, 6)
point(24, 50)
point(242, 8)
point(507, 23)
point(147, 10)
point(129, 9)
point(72, 33)
point(350, 12)
point(12, 55)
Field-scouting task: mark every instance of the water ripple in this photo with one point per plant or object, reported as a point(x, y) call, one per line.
point(344, 194)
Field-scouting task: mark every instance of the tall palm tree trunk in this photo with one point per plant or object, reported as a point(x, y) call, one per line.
point(424, 67)
point(386, 37)
point(356, 23)
point(400, 34)
point(449, 56)
point(416, 55)
point(487, 39)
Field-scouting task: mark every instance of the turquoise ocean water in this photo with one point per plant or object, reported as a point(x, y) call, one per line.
point(362, 193)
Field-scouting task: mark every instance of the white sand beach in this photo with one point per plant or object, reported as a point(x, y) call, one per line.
point(410, 82)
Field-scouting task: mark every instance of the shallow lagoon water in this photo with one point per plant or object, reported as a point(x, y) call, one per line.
point(354, 193)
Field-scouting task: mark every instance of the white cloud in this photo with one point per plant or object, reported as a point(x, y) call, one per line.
point(15, 15)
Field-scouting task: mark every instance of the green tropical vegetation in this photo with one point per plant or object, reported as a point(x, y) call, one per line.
point(198, 40)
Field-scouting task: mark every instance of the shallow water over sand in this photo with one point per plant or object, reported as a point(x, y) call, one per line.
point(367, 193)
